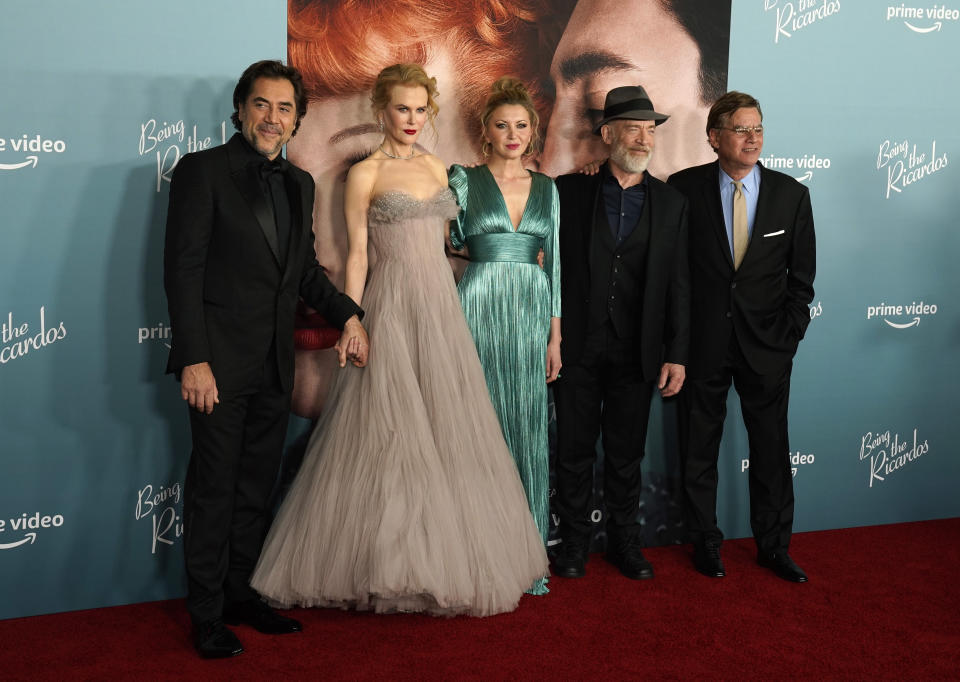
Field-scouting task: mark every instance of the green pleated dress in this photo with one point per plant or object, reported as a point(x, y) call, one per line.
point(508, 300)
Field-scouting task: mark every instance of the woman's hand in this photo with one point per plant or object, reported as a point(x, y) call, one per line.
point(553, 361)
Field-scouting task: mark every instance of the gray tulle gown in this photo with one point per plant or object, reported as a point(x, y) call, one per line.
point(407, 499)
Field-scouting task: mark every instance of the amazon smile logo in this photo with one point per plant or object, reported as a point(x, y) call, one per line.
point(904, 316)
point(922, 19)
point(24, 151)
point(23, 529)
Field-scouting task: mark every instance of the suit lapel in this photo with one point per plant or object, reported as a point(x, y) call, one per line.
point(764, 209)
point(299, 217)
point(650, 205)
point(594, 204)
point(764, 202)
point(711, 198)
point(596, 218)
point(653, 260)
point(244, 176)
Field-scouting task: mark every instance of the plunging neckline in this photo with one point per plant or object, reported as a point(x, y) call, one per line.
point(503, 200)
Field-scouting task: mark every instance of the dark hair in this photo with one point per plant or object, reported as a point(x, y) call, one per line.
point(708, 23)
point(728, 103)
point(269, 68)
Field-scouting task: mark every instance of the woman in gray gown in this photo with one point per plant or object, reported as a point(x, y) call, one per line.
point(407, 499)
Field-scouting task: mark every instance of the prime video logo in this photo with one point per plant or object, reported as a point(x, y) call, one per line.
point(923, 19)
point(915, 310)
point(796, 459)
point(161, 332)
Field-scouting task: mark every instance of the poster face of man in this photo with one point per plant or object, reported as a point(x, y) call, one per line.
point(610, 43)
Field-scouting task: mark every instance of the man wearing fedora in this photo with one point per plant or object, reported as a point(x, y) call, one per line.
point(752, 263)
point(625, 329)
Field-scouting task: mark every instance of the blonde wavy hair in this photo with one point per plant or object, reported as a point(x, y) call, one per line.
point(403, 74)
point(510, 90)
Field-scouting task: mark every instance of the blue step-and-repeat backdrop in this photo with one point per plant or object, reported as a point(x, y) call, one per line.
point(860, 103)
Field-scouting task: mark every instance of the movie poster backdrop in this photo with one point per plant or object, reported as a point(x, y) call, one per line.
point(102, 105)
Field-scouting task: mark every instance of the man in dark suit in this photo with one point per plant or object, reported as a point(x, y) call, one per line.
point(238, 253)
point(625, 294)
point(752, 263)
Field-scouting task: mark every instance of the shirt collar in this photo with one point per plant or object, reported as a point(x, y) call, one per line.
point(751, 182)
point(607, 176)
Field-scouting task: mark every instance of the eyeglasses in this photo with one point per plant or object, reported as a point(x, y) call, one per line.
point(743, 131)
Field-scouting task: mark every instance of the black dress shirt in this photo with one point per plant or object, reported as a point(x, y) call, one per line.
point(623, 206)
point(272, 176)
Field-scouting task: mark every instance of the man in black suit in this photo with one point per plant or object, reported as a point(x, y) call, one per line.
point(625, 294)
point(752, 263)
point(238, 253)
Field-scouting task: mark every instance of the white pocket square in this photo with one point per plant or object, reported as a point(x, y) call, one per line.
point(774, 234)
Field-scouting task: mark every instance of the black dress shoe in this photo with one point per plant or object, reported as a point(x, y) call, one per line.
point(260, 617)
point(215, 640)
point(781, 564)
point(628, 557)
point(706, 559)
point(569, 560)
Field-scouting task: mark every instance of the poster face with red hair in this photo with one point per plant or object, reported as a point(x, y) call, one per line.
point(569, 53)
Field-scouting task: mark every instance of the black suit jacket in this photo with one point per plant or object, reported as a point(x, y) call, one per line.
point(229, 299)
point(665, 327)
point(764, 302)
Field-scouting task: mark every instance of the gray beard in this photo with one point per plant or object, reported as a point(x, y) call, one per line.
point(631, 164)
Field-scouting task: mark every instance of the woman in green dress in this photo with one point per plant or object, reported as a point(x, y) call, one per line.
point(508, 215)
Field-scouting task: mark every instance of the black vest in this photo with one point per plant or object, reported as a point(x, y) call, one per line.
point(617, 274)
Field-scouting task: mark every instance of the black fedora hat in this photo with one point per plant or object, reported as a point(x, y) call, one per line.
point(630, 102)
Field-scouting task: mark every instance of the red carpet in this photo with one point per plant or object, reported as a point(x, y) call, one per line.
point(882, 603)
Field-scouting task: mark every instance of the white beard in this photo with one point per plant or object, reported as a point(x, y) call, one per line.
point(628, 162)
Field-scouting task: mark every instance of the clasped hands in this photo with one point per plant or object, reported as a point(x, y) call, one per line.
point(353, 344)
point(199, 387)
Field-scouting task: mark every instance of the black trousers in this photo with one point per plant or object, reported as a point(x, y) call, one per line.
point(764, 400)
point(232, 471)
point(603, 393)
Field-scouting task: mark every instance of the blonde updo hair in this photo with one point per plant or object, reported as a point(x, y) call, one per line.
point(403, 74)
point(510, 90)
